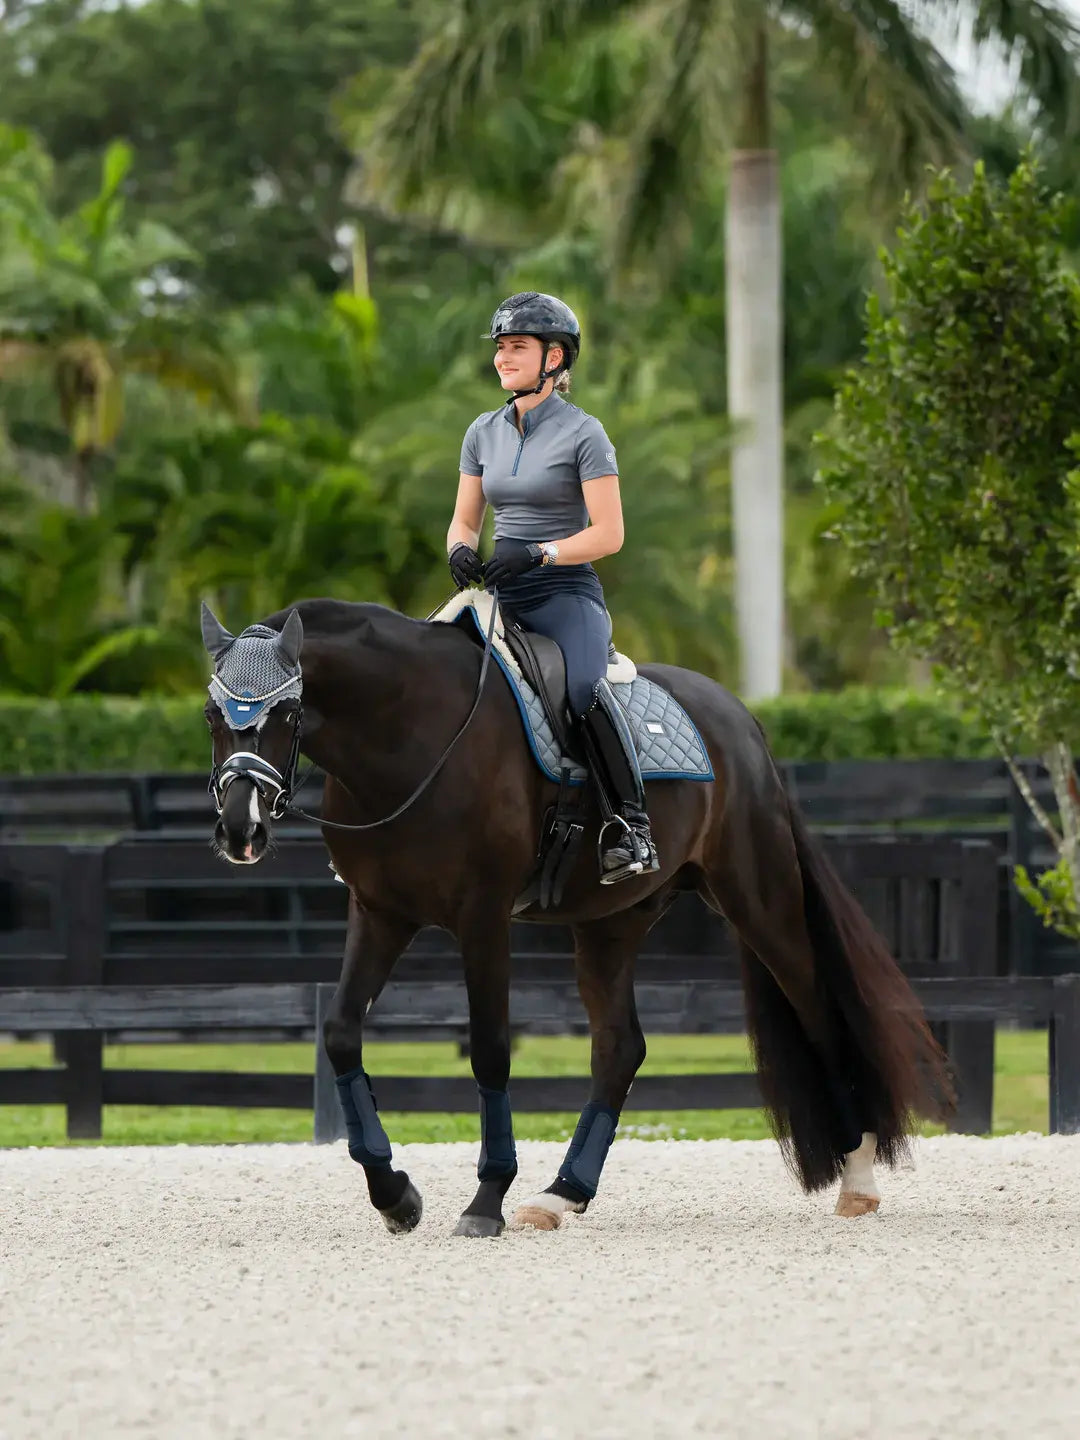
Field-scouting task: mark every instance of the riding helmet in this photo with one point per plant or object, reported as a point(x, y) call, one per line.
point(544, 316)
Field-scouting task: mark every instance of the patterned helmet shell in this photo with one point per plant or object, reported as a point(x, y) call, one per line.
point(545, 316)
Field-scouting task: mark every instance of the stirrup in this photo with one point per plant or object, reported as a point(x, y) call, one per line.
point(642, 853)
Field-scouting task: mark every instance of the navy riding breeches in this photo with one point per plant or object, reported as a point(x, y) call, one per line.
point(580, 626)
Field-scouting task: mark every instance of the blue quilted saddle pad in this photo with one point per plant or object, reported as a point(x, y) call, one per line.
point(668, 744)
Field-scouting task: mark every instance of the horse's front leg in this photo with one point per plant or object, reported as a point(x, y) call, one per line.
point(372, 945)
point(604, 954)
point(485, 949)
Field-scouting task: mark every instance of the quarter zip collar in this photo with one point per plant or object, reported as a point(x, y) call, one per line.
point(533, 417)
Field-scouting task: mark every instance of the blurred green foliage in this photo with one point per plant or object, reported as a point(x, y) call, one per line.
point(951, 461)
point(167, 732)
point(229, 371)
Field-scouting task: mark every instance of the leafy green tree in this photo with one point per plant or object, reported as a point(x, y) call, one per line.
point(229, 107)
point(62, 613)
point(952, 465)
point(707, 88)
point(254, 516)
point(77, 300)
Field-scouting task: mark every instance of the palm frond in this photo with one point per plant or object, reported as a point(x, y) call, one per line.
point(1038, 36)
point(901, 90)
point(479, 46)
point(684, 117)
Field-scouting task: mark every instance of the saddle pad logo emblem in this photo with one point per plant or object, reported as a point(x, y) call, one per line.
point(653, 728)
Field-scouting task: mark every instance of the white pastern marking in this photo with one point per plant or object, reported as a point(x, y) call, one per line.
point(858, 1173)
point(554, 1204)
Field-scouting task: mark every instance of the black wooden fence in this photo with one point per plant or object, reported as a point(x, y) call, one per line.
point(847, 798)
point(146, 934)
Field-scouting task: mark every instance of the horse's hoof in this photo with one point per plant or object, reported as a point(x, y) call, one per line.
point(536, 1217)
point(851, 1204)
point(480, 1227)
point(405, 1215)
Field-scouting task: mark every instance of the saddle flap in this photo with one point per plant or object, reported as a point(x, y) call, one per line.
point(542, 663)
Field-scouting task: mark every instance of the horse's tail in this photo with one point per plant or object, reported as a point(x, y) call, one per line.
point(881, 1041)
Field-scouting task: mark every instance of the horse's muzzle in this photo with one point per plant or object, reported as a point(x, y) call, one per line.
point(241, 834)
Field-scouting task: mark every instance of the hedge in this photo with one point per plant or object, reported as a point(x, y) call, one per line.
point(112, 733)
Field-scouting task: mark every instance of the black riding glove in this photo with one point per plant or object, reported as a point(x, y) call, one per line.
point(510, 559)
point(465, 566)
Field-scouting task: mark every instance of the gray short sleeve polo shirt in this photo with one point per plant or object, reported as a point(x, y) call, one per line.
point(533, 480)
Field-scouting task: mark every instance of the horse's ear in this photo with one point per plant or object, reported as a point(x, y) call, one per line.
point(291, 639)
point(215, 637)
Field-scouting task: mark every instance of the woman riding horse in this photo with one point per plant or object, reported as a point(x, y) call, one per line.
point(549, 472)
point(434, 804)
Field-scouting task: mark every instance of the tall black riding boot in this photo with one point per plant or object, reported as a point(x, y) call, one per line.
point(626, 845)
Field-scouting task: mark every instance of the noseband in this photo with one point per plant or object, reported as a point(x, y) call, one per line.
point(251, 679)
point(275, 787)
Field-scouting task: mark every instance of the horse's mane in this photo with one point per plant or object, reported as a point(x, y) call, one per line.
point(334, 619)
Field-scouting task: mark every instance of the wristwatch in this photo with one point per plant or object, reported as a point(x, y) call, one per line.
point(550, 552)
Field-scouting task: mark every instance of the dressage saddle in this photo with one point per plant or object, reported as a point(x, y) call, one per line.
point(542, 663)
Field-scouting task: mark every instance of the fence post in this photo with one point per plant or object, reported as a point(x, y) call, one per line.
point(85, 965)
point(1065, 1057)
point(329, 1121)
point(970, 1043)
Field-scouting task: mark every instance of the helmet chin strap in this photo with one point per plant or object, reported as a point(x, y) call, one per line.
point(545, 375)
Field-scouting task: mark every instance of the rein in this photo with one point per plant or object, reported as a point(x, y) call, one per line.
point(264, 776)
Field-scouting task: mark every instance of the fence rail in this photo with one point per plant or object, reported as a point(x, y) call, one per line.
point(165, 922)
point(984, 1001)
point(972, 798)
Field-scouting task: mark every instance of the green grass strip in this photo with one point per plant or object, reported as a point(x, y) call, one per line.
point(1020, 1092)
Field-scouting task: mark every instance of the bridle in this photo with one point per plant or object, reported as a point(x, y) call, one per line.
point(277, 787)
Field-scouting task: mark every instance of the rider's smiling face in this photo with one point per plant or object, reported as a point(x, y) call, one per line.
point(518, 358)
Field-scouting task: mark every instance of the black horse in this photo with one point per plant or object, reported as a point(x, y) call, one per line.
point(844, 1054)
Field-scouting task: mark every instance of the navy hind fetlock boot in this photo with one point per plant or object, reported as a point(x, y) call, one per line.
point(626, 844)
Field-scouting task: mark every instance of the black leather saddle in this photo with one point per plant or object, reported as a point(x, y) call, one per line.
point(563, 827)
point(544, 667)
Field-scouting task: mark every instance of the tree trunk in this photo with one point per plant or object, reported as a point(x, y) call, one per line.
point(755, 387)
point(1061, 766)
point(84, 480)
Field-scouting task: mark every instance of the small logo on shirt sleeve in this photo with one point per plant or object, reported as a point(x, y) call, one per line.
point(609, 456)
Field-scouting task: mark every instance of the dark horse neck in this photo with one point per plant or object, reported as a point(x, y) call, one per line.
point(383, 696)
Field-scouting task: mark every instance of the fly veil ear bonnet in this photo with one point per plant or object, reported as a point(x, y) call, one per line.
point(255, 670)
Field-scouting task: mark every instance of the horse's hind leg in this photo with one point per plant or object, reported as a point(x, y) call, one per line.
point(604, 954)
point(796, 1034)
point(373, 943)
point(859, 1194)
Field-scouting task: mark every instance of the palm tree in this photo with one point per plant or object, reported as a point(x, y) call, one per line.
point(78, 304)
point(709, 89)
